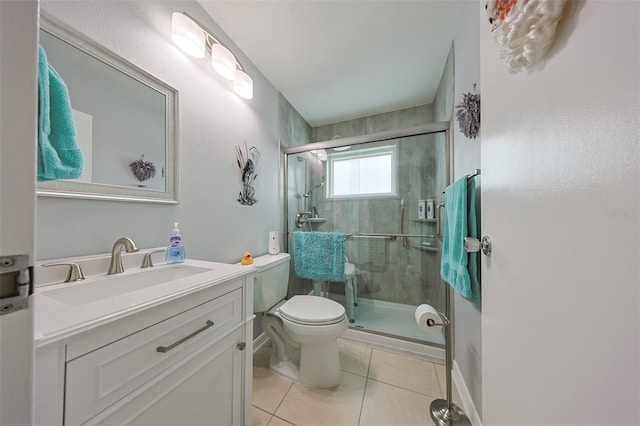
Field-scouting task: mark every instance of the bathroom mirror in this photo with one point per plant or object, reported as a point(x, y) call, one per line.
point(124, 118)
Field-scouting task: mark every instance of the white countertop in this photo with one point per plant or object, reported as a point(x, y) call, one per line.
point(55, 320)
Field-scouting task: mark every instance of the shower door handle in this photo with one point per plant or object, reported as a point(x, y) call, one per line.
point(438, 219)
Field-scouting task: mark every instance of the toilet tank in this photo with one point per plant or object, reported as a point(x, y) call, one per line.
point(271, 280)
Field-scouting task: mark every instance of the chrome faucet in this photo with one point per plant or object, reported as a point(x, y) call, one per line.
point(116, 254)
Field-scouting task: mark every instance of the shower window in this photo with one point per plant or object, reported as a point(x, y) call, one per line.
point(363, 173)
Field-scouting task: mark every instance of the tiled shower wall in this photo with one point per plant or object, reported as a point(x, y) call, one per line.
point(400, 119)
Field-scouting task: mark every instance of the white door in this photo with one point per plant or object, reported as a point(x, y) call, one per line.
point(18, 109)
point(560, 200)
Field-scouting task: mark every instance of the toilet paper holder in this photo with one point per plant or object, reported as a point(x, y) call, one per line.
point(445, 321)
point(443, 411)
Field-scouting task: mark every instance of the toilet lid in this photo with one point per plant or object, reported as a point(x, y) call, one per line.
point(312, 310)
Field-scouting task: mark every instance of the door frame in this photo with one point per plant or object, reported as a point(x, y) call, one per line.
point(18, 133)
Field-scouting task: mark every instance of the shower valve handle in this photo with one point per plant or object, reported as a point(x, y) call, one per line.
point(301, 218)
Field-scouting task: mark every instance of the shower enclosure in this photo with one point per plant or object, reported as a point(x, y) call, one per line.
point(368, 187)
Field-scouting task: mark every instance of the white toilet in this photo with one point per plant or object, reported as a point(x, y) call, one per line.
point(303, 330)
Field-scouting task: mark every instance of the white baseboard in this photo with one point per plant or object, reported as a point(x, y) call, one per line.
point(465, 396)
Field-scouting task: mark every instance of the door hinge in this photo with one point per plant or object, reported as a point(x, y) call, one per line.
point(16, 283)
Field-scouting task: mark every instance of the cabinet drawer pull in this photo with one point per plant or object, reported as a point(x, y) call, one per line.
point(164, 349)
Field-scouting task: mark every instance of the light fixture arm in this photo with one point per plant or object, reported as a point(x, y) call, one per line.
point(211, 39)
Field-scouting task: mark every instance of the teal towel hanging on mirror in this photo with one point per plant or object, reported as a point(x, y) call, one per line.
point(58, 154)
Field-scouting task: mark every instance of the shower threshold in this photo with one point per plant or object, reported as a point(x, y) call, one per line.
point(392, 325)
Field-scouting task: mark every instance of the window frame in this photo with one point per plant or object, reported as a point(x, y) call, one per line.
point(358, 154)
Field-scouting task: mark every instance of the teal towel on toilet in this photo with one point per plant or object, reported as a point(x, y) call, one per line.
point(58, 154)
point(319, 256)
point(457, 267)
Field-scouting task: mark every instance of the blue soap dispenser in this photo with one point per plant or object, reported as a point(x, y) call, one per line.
point(175, 250)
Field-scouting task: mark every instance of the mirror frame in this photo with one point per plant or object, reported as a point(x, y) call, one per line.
point(100, 191)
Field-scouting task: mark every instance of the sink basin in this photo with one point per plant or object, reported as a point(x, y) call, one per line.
point(107, 286)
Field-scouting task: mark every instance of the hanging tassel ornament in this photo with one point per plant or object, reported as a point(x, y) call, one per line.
point(142, 170)
point(468, 114)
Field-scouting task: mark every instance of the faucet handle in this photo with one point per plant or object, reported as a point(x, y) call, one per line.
point(74, 274)
point(146, 261)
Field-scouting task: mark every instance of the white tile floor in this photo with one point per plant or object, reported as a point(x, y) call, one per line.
point(377, 388)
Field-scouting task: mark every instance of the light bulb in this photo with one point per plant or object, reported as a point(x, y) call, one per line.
point(187, 35)
point(223, 61)
point(243, 85)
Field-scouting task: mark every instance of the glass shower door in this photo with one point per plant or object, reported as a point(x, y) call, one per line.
point(371, 192)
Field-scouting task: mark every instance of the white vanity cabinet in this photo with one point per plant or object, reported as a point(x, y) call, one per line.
point(185, 361)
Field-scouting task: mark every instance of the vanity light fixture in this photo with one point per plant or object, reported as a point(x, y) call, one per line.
point(223, 61)
point(194, 39)
point(188, 35)
point(243, 84)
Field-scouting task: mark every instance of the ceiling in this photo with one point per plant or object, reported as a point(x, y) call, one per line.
point(340, 60)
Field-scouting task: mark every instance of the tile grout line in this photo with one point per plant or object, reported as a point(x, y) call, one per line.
point(364, 392)
point(282, 400)
point(406, 389)
point(440, 384)
point(366, 382)
point(278, 417)
point(433, 365)
point(264, 411)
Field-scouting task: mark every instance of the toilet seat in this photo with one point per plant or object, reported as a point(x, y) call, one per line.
point(312, 310)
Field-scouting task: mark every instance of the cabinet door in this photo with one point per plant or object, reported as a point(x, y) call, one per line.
point(99, 379)
point(202, 389)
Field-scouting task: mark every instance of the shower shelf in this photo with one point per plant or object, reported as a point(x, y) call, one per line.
point(425, 220)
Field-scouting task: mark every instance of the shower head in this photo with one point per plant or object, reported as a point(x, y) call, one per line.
point(308, 193)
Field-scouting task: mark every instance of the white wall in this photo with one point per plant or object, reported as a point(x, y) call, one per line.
point(466, 158)
point(560, 187)
point(212, 120)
